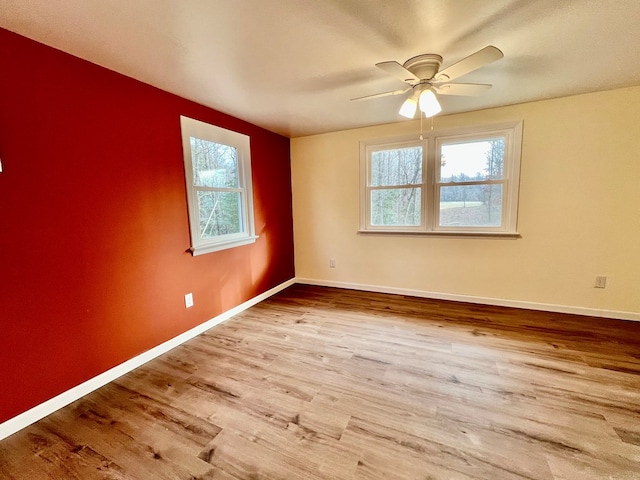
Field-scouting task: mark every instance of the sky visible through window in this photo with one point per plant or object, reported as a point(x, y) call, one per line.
point(469, 158)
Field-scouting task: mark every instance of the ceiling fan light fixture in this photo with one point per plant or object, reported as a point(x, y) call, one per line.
point(409, 107)
point(429, 104)
point(422, 75)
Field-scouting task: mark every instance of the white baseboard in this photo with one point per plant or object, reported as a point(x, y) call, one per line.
point(547, 307)
point(40, 411)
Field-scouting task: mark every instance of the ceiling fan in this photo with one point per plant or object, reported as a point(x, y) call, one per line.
point(422, 75)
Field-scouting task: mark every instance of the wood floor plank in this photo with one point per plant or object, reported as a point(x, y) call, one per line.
point(324, 383)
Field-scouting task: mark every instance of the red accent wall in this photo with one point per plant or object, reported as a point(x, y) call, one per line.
point(94, 235)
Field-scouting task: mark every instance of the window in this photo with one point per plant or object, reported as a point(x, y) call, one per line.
point(461, 182)
point(217, 164)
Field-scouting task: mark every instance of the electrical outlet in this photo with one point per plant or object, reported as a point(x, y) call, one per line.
point(188, 300)
point(332, 263)
point(601, 282)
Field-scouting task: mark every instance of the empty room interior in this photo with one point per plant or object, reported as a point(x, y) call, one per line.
point(344, 239)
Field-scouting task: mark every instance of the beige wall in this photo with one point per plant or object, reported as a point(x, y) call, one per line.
point(579, 212)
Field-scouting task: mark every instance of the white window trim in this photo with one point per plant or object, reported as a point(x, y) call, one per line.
point(242, 143)
point(512, 132)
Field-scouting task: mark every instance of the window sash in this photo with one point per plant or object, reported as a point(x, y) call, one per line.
point(241, 219)
point(218, 189)
point(400, 185)
point(483, 227)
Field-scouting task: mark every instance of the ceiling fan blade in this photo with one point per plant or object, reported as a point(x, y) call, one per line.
point(383, 94)
point(469, 64)
point(398, 71)
point(462, 89)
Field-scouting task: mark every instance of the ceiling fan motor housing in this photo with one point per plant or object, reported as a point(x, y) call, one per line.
point(425, 67)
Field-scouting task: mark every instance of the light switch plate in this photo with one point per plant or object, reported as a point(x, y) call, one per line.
point(188, 300)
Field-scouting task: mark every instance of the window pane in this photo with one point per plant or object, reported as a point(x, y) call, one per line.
point(469, 161)
point(397, 206)
point(401, 166)
point(214, 164)
point(220, 213)
point(471, 206)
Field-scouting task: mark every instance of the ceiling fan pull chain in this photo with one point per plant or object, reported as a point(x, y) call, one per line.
point(422, 114)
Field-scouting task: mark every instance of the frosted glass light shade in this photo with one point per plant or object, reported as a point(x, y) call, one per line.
point(408, 108)
point(429, 104)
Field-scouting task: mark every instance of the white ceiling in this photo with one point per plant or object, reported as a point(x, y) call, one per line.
point(291, 66)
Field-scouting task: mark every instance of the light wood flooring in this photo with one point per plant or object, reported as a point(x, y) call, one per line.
point(322, 383)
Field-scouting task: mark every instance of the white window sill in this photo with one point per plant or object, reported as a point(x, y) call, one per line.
point(216, 247)
point(442, 233)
